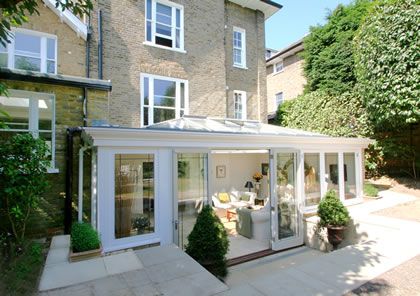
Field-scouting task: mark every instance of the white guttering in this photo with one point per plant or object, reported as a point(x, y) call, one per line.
point(80, 192)
point(69, 18)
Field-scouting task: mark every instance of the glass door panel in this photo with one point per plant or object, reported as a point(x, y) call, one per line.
point(312, 182)
point(134, 195)
point(286, 195)
point(192, 178)
point(349, 176)
point(286, 224)
point(332, 177)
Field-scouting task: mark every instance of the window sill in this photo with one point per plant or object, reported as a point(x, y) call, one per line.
point(275, 73)
point(53, 171)
point(240, 67)
point(164, 47)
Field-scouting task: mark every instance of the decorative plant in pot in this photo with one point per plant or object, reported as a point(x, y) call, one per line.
point(85, 242)
point(208, 242)
point(334, 216)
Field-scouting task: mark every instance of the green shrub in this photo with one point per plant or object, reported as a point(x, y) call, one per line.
point(84, 237)
point(331, 211)
point(339, 116)
point(24, 161)
point(282, 111)
point(370, 190)
point(208, 242)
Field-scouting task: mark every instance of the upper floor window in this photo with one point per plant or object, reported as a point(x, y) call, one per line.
point(30, 112)
point(162, 98)
point(239, 47)
point(279, 99)
point(30, 50)
point(165, 24)
point(278, 67)
point(239, 104)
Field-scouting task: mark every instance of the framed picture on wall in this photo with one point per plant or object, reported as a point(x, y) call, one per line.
point(264, 169)
point(220, 171)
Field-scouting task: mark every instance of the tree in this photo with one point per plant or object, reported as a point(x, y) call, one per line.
point(387, 48)
point(328, 54)
point(23, 172)
point(16, 12)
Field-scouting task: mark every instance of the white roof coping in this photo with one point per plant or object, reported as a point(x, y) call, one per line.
point(69, 18)
point(268, 7)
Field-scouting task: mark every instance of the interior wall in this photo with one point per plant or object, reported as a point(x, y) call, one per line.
point(239, 170)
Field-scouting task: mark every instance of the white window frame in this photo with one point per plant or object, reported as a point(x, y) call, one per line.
point(243, 104)
point(174, 6)
point(282, 99)
point(33, 118)
point(177, 107)
point(242, 49)
point(10, 48)
point(275, 71)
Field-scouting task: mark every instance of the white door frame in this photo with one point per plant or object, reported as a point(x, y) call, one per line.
point(175, 152)
point(276, 243)
point(106, 202)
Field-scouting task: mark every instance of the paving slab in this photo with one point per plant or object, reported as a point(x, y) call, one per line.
point(122, 262)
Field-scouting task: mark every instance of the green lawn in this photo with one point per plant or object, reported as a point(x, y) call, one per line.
point(370, 190)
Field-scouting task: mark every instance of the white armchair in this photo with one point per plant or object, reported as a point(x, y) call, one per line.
point(261, 229)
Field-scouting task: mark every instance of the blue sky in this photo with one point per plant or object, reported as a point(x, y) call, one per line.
point(292, 22)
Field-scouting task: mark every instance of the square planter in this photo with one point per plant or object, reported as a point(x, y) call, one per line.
point(86, 255)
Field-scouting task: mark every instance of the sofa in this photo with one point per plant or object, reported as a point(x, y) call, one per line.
point(236, 199)
point(254, 224)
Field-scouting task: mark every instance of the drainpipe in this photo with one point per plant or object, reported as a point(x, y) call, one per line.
point(80, 192)
point(100, 74)
point(69, 177)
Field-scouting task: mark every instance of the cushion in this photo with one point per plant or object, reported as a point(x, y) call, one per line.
point(245, 197)
point(224, 197)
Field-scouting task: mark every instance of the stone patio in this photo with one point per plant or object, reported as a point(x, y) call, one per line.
point(160, 271)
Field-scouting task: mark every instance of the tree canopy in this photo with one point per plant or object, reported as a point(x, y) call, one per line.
point(328, 54)
point(387, 55)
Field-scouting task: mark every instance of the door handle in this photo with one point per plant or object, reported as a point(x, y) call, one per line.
point(176, 224)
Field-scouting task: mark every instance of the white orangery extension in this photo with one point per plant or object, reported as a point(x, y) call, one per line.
point(149, 184)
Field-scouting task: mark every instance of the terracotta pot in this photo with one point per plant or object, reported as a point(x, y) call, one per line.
point(335, 235)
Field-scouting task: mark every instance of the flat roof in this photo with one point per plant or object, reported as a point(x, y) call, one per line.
point(56, 79)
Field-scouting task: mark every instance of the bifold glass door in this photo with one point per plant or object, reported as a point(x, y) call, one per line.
point(286, 220)
point(134, 195)
point(191, 192)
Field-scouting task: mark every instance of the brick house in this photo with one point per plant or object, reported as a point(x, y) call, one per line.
point(189, 57)
point(285, 79)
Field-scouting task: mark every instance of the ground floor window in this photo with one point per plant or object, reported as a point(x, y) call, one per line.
point(31, 112)
point(239, 104)
point(349, 175)
point(162, 98)
point(134, 195)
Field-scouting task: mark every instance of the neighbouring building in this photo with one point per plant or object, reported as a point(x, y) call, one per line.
point(285, 79)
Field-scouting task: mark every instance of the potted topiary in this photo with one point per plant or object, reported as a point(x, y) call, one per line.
point(334, 216)
point(85, 243)
point(208, 242)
